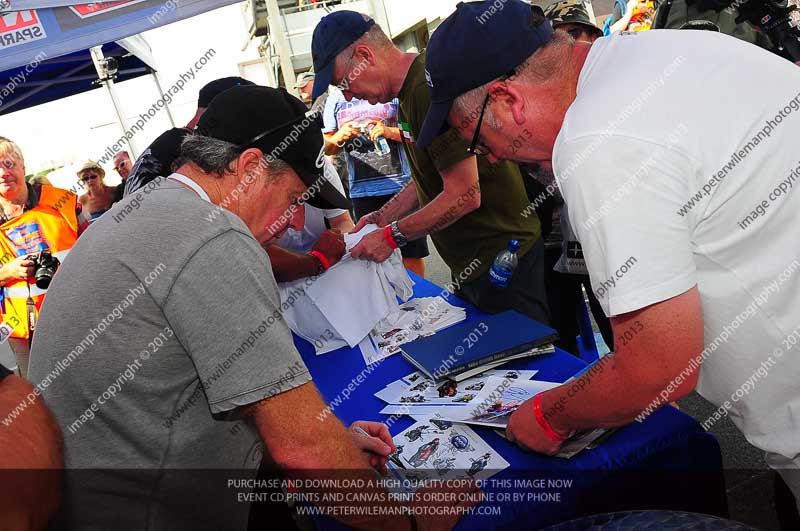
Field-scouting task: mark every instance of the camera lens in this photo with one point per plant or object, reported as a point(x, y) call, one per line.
point(44, 275)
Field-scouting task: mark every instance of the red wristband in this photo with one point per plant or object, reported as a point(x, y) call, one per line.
point(387, 235)
point(548, 430)
point(321, 257)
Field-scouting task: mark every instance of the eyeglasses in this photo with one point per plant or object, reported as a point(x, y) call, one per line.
point(89, 177)
point(478, 148)
point(344, 84)
point(121, 165)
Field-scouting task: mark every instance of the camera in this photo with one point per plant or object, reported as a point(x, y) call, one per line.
point(44, 267)
point(772, 17)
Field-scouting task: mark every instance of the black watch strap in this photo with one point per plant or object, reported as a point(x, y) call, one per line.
point(399, 238)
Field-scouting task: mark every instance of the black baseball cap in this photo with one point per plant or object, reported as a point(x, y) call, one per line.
point(476, 44)
point(212, 89)
point(281, 126)
point(334, 33)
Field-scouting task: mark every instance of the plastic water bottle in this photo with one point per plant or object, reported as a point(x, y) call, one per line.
point(504, 265)
point(381, 144)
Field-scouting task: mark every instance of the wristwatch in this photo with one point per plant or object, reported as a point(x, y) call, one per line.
point(398, 236)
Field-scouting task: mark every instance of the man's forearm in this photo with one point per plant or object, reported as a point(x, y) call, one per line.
point(332, 145)
point(393, 133)
point(401, 204)
point(30, 443)
point(639, 377)
point(460, 196)
point(288, 265)
point(595, 399)
point(445, 209)
point(343, 223)
point(305, 439)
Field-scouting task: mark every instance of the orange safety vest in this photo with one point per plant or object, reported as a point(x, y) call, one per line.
point(51, 225)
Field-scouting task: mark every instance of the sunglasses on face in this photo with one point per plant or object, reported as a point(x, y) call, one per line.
point(120, 166)
point(89, 177)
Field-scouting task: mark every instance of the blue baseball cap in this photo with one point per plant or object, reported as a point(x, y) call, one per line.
point(480, 42)
point(334, 33)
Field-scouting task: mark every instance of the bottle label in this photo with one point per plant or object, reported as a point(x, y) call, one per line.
point(499, 278)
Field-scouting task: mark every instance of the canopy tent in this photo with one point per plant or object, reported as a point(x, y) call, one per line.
point(59, 31)
point(48, 48)
point(65, 76)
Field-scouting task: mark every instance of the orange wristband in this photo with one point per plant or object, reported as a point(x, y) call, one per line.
point(321, 257)
point(387, 235)
point(548, 430)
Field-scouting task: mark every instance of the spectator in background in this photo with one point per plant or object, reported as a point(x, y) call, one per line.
point(305, 86)
point(157, 158)
point(123, 164)
point(637, 16)
point(353, 127)
point(30, 458)
point(33, 218)
point(98, 197)
point(565, 270)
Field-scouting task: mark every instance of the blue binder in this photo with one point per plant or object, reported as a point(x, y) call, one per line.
point(476, 342)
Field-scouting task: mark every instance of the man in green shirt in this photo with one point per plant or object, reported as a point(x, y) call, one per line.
point(470, 207)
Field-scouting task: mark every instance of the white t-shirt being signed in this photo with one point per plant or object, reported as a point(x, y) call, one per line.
point(303, 241)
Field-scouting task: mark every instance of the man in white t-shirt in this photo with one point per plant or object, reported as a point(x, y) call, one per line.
point(303, 252)
point(316, 218)
point(687, 213)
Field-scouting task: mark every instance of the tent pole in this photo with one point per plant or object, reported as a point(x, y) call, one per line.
point(97, 58)
point(161, 95)
point(277, 32)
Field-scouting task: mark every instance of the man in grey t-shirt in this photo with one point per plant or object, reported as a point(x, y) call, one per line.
point(182, 329)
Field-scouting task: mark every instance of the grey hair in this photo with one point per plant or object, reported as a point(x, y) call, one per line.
point(216, 157)
point(374, 38)
point(546, 63)
point(210, 154)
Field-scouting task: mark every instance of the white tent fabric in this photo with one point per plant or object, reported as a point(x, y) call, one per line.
point(26, 33)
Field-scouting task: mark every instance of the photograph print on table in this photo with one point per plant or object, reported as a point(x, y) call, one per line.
point(443, 450)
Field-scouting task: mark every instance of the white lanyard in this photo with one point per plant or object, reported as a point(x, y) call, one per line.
point(190, 184)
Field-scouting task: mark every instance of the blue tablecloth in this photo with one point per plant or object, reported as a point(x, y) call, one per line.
point(665, 462)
